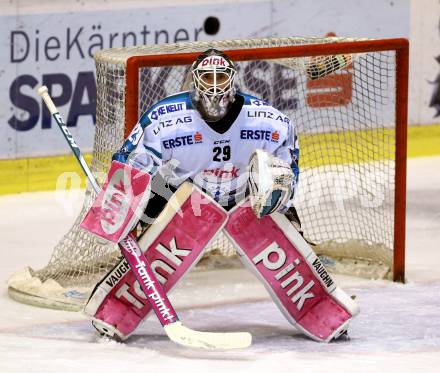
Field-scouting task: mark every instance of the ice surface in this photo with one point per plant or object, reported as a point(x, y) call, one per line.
point(398, 328)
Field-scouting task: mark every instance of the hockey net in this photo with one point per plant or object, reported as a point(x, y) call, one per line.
point(352, 130)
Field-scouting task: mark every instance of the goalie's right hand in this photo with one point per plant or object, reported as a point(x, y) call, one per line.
point(270, 183)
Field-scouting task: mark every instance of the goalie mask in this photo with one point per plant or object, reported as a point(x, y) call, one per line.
point(213, 79)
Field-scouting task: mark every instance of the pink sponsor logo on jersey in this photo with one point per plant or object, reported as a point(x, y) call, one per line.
point(222, 173)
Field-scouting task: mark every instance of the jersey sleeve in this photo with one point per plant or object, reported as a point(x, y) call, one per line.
point(142, 148)
point(289, 151)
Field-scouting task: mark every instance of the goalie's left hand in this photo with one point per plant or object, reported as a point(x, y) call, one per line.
point(270, 183)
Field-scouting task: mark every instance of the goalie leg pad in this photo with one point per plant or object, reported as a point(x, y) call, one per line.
point(173, 245)
point(292, 273)
point(116, 313)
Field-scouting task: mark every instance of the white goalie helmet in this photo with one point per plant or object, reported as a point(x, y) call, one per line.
point(213, 76)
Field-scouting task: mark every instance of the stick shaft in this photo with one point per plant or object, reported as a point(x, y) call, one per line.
point(42, 91)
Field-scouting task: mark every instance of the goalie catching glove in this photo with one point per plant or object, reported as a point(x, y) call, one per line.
point(270, 183)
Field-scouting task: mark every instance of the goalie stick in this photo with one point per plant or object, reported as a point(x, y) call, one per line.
point(154, 292)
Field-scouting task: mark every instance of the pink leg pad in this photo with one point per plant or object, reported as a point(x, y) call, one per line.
point(291, 272)
point(172, 247)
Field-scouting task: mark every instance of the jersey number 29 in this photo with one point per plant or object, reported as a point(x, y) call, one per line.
point(221, 153)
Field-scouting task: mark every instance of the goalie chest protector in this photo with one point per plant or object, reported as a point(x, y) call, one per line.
point(174, 130)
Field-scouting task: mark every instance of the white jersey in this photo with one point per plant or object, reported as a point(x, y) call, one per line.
point(173, 136)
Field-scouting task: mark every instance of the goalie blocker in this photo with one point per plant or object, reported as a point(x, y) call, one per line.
point(120, 203)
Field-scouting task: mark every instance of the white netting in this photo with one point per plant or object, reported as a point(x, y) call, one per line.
point(346, 128)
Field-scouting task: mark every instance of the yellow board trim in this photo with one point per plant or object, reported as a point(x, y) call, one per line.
point(348, 147)
point(37, 174)
point(42, 173)
point(424, 141)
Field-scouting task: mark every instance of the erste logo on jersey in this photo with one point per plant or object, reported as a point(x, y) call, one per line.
point(165, 109)
point(267, 135)
point(177, 142)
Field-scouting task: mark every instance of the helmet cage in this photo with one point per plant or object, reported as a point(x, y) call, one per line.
point(220, 84)
point(213, 81)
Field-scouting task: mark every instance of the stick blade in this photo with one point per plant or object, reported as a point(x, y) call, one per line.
point(182, 335)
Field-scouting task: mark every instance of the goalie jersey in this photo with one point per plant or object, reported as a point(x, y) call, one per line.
point(173, 137)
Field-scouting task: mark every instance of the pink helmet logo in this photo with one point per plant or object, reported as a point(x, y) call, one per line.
point(214, 61)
